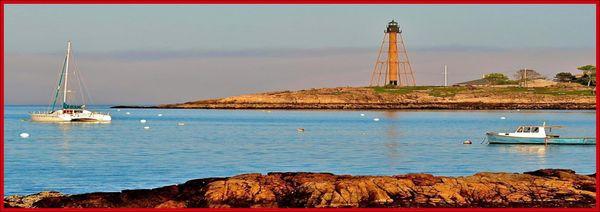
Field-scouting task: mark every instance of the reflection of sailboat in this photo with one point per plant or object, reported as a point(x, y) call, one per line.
point(68, 113)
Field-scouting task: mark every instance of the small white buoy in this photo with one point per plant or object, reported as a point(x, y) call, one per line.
point(180, 124)
point(146, 127)
point(143, 121)
point(376, 119)
point(127, 113)
point(118, 109)
point(160, 114)
point(300, 129)
point(24, 135)
point(268, 111)
point(467, 142)
point(362, 114)
point(518, 109)
point(502, 117)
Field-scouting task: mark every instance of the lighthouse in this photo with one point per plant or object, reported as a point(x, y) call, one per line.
point(392, 31)
point(392, 67)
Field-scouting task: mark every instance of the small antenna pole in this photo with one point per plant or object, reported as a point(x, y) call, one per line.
point(525, 82)
point(445, 76)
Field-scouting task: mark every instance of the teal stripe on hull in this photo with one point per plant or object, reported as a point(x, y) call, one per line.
point(495, 139)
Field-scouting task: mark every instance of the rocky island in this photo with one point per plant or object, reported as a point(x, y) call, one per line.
point(541, 188)
point(560, 96)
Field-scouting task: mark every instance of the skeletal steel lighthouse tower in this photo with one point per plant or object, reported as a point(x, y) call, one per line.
point(393, 68)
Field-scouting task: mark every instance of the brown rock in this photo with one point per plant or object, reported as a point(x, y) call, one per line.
point(16, 201)
point(542, 188)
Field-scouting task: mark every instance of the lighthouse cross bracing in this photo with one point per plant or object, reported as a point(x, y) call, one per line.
point(392, 66)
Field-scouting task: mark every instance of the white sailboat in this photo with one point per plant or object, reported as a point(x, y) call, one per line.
point(68, 113)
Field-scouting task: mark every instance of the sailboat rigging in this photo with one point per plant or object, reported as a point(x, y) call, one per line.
point(68, 113)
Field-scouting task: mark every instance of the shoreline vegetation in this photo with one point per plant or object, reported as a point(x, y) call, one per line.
point(562, 96)
point(541, 188)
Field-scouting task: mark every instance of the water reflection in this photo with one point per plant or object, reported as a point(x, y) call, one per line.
point(68, 126)
point(70, 133)
point(81, 157)
point(392, 133)
point(528, 150)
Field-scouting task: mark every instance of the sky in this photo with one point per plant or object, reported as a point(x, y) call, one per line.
point(154, 54)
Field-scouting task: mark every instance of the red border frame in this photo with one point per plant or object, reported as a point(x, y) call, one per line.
point(300, 2)
point(4, 2)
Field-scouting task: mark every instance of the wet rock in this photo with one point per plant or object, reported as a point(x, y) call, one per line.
point(16, 201)
point(541, 188)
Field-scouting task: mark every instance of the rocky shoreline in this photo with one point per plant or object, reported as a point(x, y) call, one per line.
point(378, 106)
point(420, 97)
point(541, 188)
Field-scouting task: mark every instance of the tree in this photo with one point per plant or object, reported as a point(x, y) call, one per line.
point(528, 74)
point(495, 77)
point(523, 75)
point(564, 77)
point(589, 74)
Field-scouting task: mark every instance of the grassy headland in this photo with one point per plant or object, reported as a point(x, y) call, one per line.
point(561, 96)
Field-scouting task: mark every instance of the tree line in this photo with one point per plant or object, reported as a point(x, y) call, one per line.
point(587, 76)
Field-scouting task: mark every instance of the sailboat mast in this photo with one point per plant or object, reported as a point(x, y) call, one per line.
point(65, 89)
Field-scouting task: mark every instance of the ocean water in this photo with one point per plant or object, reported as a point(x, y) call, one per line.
point(83, 157)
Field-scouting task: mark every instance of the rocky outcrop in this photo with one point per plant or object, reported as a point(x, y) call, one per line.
point(27, 201)
point(542, 188)
point(423, 97)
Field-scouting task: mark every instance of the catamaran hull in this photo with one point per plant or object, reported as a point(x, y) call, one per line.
point(500, 139)
point(86, 116)
point(89, 120)
point(49, 118)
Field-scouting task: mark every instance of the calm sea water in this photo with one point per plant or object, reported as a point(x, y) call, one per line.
point(83, 157)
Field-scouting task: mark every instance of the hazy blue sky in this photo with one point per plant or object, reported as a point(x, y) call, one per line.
point(193, 52)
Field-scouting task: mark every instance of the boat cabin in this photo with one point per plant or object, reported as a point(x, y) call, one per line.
point(530, 131)
point(71, 111)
